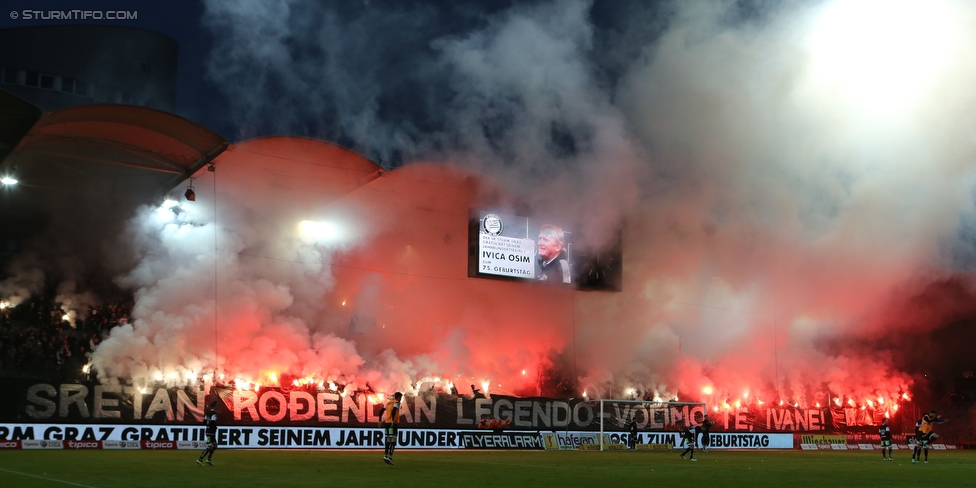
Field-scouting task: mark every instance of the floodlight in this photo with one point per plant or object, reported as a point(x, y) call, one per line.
point(318, 231)
point(882, 55)
point(6, 180)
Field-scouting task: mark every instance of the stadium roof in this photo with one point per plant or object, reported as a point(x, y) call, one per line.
point(117, 156)
point(323, 170)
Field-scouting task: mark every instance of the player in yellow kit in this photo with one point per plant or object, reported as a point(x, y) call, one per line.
point(926, 435)
point(389, 420)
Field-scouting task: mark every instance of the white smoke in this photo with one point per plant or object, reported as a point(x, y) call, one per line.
point(24, 282)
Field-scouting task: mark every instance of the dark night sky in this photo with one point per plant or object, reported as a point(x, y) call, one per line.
point(197, 99)
point(385, 64)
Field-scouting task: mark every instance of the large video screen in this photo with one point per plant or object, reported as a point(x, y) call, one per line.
point(520, 247)
point(512, 247)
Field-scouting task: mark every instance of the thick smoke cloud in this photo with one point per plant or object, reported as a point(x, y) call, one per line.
point(786, 231)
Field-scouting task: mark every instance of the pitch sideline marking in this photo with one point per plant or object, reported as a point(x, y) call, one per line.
point(46, 478)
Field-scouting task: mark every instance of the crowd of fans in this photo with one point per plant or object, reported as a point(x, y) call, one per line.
point(37, 338)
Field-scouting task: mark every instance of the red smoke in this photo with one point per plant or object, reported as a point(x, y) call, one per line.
point(387, 305)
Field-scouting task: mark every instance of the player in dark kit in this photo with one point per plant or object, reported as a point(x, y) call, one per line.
point(885, 432)
point(390, 419)
point(917, 452)
point(210, 420)
point(688, 436)
point(706, 426)
point(632, 439)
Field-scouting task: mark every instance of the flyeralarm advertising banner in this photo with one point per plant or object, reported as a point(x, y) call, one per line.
point(502, 440)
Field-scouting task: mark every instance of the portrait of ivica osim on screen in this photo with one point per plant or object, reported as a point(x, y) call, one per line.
point(552, 259)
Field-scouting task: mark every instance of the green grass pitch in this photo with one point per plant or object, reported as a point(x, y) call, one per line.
point(467, 469)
